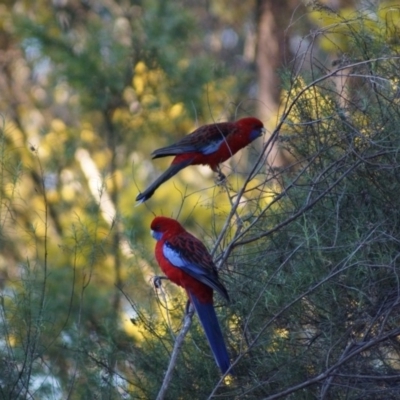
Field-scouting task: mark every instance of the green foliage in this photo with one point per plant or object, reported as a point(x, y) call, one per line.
point(88, 91)
point(318, 278)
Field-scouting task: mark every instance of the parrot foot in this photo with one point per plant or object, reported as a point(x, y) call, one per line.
point(220, 178)
point(157, 281)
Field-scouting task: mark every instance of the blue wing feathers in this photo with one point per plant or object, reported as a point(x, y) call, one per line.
point(189, 254)
point(206, 140)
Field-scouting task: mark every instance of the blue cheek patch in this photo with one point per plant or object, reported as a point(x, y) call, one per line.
point(255, 133)
point(156, 235)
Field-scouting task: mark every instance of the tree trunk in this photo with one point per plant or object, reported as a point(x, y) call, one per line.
point(272, 54)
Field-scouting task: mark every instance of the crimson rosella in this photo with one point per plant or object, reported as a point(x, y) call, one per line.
point(208, 145)
point(187, 263)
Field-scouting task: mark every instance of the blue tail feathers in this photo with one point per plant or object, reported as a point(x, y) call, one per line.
point(172, 170)
point(209, 321)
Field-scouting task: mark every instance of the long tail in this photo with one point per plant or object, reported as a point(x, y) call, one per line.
point(169, 173)
point(209, 320)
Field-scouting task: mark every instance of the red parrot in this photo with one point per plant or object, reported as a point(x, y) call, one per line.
point(208, 145)
point(186, 262)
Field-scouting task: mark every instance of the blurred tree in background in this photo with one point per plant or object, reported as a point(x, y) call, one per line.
point(307, 240)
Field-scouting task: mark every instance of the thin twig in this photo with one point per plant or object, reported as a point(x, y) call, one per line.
point(187, 321)
point(358, 348)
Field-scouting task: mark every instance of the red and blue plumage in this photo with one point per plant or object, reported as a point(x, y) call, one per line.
point(186, 262)
point(208, 145)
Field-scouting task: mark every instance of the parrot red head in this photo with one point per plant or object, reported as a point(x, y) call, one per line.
point(161, 225)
